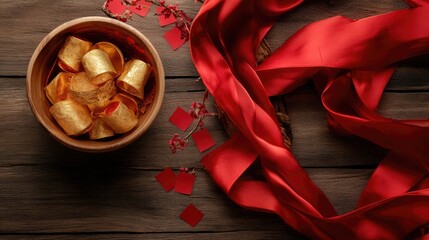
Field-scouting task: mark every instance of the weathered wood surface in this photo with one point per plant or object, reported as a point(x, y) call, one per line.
point(50, 192)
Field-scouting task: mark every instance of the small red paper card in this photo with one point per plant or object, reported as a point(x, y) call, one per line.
point(141, 8)
point(167, 179)
point(191, 215)
point(173, 38)
point(203, 139)
point(163, 21)
point(116, 7)
point(181, 119)
point(184, 183)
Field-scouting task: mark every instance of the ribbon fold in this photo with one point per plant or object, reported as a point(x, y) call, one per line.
point(350, 62)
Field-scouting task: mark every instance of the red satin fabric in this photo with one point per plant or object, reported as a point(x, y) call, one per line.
point(350, 63)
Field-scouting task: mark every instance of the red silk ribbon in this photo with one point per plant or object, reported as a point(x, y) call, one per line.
point(350, 62)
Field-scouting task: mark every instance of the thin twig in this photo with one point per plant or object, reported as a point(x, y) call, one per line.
point(195, 128)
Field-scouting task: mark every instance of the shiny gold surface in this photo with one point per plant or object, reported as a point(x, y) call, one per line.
point(114, 53)
point(100, 130)
point(73, 117)
point(57, 89)
point(70, 55)
point(98, 66)
point(121, 120)
point(134, 77)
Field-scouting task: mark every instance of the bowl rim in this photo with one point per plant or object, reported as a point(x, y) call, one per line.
point(137, 132)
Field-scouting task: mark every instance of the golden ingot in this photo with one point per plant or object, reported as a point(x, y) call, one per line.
point(120, 118)
point(86, 92)
point(85, 98)
point(128, 101)
point(98, 66)
point(100, 130)
point(57, 89)
point(73, 117)
point(134, 77)
point(114, 53)
point(71, 53)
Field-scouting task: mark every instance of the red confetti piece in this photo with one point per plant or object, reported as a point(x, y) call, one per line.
point(167, 179)
point(163, 21)
point(203, 139)
point(191, 215)
point(184, 183)
point(181, 119)
point(116, 7)
point(141, 8)
point(173, 38)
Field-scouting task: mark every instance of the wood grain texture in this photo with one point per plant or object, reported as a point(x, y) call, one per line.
point(112, 197)
point(44, 60)
point(38, 19)
point(250, 235)
point(48, 191)
point(308, 122)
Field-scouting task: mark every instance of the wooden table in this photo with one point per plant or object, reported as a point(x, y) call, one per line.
point(50, 192)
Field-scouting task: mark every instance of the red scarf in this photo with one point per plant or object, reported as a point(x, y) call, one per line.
point(350, 62)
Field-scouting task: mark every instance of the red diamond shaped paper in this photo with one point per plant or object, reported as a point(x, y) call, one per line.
point(173, 38)
point(163, 21)
point(181, 119)
point(191, 215)
point(141, 8)
point(167, 179)
point(184, 183)
point(203, 139)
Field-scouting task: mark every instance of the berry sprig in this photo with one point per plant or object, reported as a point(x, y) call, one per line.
point(183, 21)
point(198, 111)
point(124, 16)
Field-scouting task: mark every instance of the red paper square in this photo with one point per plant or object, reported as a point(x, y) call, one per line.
point(191, 215)
point(167, 179)
point(163, 21)
point(184, 183)
point(116, 6)
point(203, 139)
point(173, 38)
point(142, 8)
point(181, 119)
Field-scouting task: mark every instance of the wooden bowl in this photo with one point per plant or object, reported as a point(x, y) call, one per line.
point(133, 44)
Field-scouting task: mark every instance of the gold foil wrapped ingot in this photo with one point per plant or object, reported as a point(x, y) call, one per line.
point(70, 55)
point(85, 98)
point(119, 117)
point(114, 53)
point(98, 66)
point(57, 89)
point(73, 117)
point(100, 130)
point(128, 101)
point(134, 77)
point(86, 92)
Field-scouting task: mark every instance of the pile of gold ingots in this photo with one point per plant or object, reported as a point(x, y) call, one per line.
point(96, 92)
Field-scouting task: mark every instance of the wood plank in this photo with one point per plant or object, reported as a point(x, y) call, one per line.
point(31, 145)
point(314, 145)
point(411, 75)
point(110, 197)
point(310, 11)
point(248, 235)
point(37, 147)
point(48, 191)
point(31, 21)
